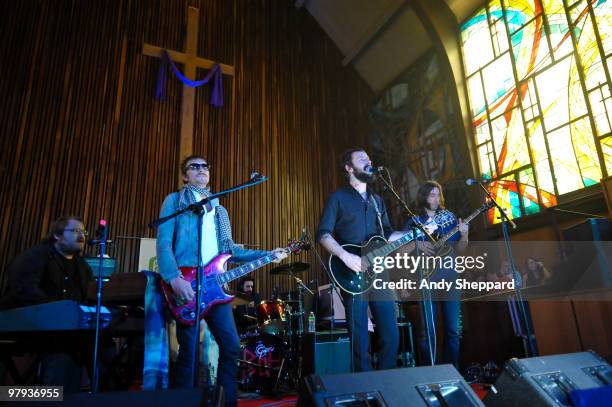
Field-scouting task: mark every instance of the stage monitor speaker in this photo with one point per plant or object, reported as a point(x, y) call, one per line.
point(326, 353)
point(548, 380)
point(212, 397)
point(418, 386)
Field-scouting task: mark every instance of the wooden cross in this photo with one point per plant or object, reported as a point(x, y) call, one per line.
point(191, 62)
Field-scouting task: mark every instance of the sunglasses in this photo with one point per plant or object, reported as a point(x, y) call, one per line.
point(196, 166)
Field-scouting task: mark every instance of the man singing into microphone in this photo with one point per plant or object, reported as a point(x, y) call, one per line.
point(353, 214)
point(177, 247)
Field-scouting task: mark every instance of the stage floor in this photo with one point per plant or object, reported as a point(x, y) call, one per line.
point(286, 401)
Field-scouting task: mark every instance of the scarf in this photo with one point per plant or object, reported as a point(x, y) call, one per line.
point(224, 229)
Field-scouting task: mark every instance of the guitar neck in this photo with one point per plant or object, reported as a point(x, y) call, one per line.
point(238, 272)
point(394, 245)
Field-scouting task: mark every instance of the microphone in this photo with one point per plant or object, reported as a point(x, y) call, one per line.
point(372, 170)
point(255, 175)
point(101, 233)
point(472, 181)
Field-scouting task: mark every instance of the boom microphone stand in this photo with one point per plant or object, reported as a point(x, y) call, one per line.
point(103, 236)
point(426, 295)
point(531, 348)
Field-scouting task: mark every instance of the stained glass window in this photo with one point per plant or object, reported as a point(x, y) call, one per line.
point(539, 85)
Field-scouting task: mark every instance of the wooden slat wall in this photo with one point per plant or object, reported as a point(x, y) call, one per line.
point(82, 133)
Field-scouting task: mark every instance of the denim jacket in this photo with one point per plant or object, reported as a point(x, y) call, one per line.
point(177, 240)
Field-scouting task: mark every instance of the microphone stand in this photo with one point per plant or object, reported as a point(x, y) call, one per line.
point(195, 363)
point(200, 204)
point(199, 209)
point(531, 348)
point(102, 246)
point(416, 224)
point(425, 294)
point(301, 288)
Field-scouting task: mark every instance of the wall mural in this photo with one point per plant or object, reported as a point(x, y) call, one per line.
point(414, 135)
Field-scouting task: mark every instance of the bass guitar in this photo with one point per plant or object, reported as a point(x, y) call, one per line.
point(213, 280)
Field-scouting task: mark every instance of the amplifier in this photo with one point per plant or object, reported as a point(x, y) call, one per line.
point(326, 352)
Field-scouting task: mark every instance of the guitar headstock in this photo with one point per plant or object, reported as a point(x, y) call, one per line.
point(444, 219)
point(296, 246)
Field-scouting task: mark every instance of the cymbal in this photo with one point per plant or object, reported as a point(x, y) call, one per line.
point(291, 268)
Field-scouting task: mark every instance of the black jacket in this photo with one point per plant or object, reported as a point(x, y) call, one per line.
point(243, 322)
point(38, 275)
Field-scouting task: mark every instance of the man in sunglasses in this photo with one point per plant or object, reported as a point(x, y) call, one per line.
point(177, 247)
point(52, 271)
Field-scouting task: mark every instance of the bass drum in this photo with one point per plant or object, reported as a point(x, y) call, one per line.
point(261, 363)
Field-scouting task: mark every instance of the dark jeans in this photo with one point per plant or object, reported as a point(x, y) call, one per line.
point(220, 321)
point(450, 314)
point(384, 317)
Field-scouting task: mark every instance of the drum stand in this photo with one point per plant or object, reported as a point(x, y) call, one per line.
point(290, 373)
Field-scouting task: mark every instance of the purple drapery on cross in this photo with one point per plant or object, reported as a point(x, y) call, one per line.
point(216, 97)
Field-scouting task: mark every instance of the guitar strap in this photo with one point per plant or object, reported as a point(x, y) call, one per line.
point(378, 215)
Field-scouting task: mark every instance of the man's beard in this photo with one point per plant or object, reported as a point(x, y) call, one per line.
point(73, 248)
point(363, 176)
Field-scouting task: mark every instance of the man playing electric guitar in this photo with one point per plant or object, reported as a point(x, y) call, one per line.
point(430, 210)
point(352, 215)
point(177, 247)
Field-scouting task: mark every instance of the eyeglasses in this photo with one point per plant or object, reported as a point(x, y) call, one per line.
point(196, 166)
point(77, 231)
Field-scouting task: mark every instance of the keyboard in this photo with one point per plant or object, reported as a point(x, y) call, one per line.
point(65, 315)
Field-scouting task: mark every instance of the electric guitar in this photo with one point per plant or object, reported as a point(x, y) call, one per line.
point(213, 279)
point(377, 246)
point(441, 248)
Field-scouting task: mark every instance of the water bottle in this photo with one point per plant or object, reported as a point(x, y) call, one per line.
point(311, 322)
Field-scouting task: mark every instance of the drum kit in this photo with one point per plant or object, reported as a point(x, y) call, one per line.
point(270, 356)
